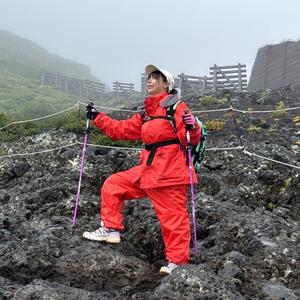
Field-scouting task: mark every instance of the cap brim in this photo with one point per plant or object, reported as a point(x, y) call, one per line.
point(150, 69)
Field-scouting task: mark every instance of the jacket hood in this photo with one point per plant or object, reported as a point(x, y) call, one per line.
point(173, 97)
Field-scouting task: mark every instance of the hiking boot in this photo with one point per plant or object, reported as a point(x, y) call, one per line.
point(166, 270)
point(103, 234)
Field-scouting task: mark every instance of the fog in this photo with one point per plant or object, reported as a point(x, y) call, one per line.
point(117, 38)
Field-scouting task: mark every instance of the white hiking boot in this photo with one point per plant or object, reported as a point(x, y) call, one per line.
point(103, 234)
point(166, 270)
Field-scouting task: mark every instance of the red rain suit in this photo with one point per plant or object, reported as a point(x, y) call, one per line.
point(164, 181)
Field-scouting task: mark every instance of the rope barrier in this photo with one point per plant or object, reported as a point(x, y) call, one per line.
point(113, 147)
point(224, 148)
point(270, 159)
point(135, 111)
point(37, 152)
point(77, 105)
point(139, 149)
point(265, 111)
point(40, 118)
point(111, 108)
point(6, 126)
point(106, 146)
point(212, 110)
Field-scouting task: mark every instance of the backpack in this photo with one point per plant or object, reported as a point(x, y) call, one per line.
point(197, 150)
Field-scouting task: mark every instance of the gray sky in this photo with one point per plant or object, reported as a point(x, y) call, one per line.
point(117, 38)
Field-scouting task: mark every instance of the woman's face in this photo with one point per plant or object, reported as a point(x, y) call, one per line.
point(156, 85)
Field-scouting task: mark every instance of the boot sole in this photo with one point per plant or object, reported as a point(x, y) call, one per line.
point(112, 240)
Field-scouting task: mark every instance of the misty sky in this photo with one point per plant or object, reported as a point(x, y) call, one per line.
point(117, 38)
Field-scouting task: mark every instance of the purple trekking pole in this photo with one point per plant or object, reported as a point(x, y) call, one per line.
point(86, 132)
point(190, 164)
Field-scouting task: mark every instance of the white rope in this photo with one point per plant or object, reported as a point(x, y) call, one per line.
point(5, 126)
point(212, 110)
point(134, 111)
point(206, 111)
point(273, 160)
point(113, 147)
point(40, 118)
point(110, 108)
point(37, 152)
point(224, 149)
point(139, 149)
point(265, 111)
point(48, 116)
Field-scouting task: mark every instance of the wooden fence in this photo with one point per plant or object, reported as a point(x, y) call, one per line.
point(228, 77)
point(144, 84)
point(231, 77)
point(85, 89)
point(122, 88)
point(221, 77)
point(190, 84)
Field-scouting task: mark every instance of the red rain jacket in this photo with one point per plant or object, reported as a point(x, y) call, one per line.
point(169, 163)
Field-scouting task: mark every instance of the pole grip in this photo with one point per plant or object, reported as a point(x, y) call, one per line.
point(188, 127)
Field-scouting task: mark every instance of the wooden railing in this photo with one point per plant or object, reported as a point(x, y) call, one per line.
point(190, 84)
point(86, 89)
point(228, 77)
point(231, 77)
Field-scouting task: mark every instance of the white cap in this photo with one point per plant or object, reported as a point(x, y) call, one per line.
point(170, 79)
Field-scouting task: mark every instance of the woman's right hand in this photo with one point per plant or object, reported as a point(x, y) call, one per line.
point(91, 111)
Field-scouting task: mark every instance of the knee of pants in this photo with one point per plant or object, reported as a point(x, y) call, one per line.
point(111, 186)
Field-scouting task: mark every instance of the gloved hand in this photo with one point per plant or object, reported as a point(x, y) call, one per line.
point(189, 120)
point(91, 111)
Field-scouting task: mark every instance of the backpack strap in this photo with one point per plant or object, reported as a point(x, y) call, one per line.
point(171, 112)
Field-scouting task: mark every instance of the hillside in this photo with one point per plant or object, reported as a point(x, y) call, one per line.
point(26, 58)
point(21, 64)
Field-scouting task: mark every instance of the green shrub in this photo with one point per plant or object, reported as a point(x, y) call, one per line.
point(208, 100)
point(296, 120)
point(213, 125)
point(99, 139)
point(253, 128)
point(280, 112)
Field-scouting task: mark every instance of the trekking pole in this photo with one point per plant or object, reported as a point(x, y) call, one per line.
point(190, 164)
point(85, 132)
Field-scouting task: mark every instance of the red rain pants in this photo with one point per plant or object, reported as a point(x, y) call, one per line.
point(170, 204)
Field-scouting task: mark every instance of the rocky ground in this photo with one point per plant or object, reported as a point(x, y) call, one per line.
point(247, 212)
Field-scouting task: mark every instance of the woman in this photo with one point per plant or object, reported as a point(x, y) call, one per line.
point(162, 174)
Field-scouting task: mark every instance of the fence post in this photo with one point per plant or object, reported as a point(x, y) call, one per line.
point(80, 88)
point(181, 80)
point(215, 79)
point(87, 90)
point(240, 86)
point(204, 85)
point(43, 79)
point(56, 80)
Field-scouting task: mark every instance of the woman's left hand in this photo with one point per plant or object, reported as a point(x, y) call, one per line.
point(189, 121)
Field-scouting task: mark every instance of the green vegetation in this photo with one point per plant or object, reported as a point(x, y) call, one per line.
point(209, 100)
point(25, 98)
point(213, 125)
point(21, 64)
point(22, 96)
point(296, 120)
point(253, 128)
point(280, 112)
point(73, 121)
point(271, 206)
